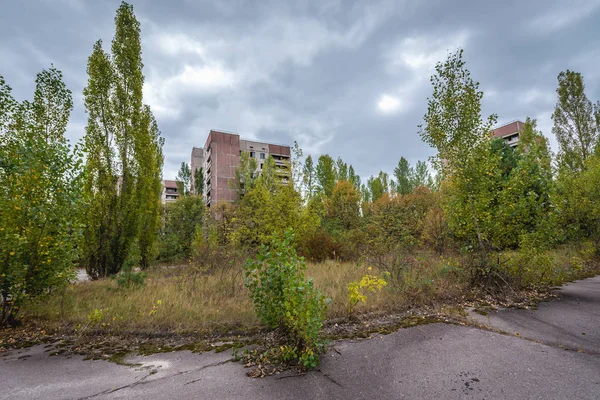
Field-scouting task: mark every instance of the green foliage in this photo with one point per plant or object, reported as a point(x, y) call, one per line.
point(183, 219)
point(342, 208)
point(422, 177)
point(354, 178)
point(575, 124)
point(524, 199)
point(377, 186)
point(40, 179)
point(285, 300)
point(245, 175)
point(394, 228)
point(408, 178)
point(326, 175)
point(127, 278)
point(341, 168)
point(184, 179)
point(308, 177)
point(578, 202)
point(454, 126)
point(124, 155)
point(435, 232)
point(198, 178)
point(269, 208)
point(453, 123)
point(404, 177)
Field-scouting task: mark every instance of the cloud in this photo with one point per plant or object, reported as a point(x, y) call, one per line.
point(562, 15)
point(420, 53)
point(177, 44)
point(388, 104)
point(164, 95)
point(327, 74)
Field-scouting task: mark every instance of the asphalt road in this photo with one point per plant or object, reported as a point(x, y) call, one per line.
point(556, 355)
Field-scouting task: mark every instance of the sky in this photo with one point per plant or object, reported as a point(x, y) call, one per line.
point(350, 79)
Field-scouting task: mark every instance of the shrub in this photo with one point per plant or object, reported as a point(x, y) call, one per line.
point(286, 301)
point(357, 290)
point(130, 279)
point(435, 229)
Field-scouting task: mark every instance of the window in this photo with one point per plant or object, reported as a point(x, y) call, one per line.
point(261, 166)
point(262, 156)
point(252, 154)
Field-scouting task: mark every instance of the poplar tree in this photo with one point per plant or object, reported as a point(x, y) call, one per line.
point(422, 177)
point(404, 175)
point(354, 178)
point(308, 177)
point(326, 174)
point(124, 160)
point(575, 124)
point(184, 179)
point(199, 181)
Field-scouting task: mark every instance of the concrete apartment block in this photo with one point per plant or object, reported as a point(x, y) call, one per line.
point(170, 191)
point(509, 132)
point(220, 158)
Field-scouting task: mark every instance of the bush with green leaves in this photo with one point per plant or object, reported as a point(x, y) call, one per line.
point(40, 181)
point(286, 301)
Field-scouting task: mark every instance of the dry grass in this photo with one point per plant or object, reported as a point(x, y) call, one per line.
point(183, 300)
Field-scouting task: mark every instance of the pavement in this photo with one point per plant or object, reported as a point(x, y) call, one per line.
point(556, 355)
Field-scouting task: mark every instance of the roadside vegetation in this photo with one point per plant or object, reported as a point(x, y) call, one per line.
point(305, 246)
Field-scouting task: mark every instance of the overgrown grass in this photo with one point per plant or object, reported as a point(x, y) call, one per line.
point(187, 300)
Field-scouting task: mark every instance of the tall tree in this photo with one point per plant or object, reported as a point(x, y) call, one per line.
point(124, 155)
point(354, 178)
point(454, 126)
point(199, 181)
point(245, 174)
point(341, 169)
point(343, 208)
point(422, 177)
point(377, 186)
point(326, 174)
point(404, 177)
point(308, 177)
point(184, 178)
point(575, 125)
point(40, 180)
point(148, 149)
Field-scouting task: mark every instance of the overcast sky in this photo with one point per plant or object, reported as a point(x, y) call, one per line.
point(346, 78)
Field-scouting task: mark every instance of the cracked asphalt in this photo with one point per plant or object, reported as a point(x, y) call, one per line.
point(549, 353)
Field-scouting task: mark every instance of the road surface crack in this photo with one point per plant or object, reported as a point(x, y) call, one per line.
point(142, 380)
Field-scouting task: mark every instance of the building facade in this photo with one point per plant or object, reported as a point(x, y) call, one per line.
point(220, 157)
point(170, 191)
point(509, 132)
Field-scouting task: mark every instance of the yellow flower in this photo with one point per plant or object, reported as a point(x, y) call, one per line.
point(369, 269)
point(12, 253)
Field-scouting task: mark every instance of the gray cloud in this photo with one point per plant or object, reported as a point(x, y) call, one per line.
point(349, 79)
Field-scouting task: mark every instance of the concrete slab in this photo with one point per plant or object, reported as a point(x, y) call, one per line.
point(571, 321)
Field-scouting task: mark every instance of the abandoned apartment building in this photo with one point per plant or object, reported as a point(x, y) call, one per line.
point(220, 157)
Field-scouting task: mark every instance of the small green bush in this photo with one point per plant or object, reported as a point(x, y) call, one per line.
point(286, 301)
point(129, 279)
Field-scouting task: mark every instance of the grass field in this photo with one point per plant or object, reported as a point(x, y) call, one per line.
point(185, 300)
